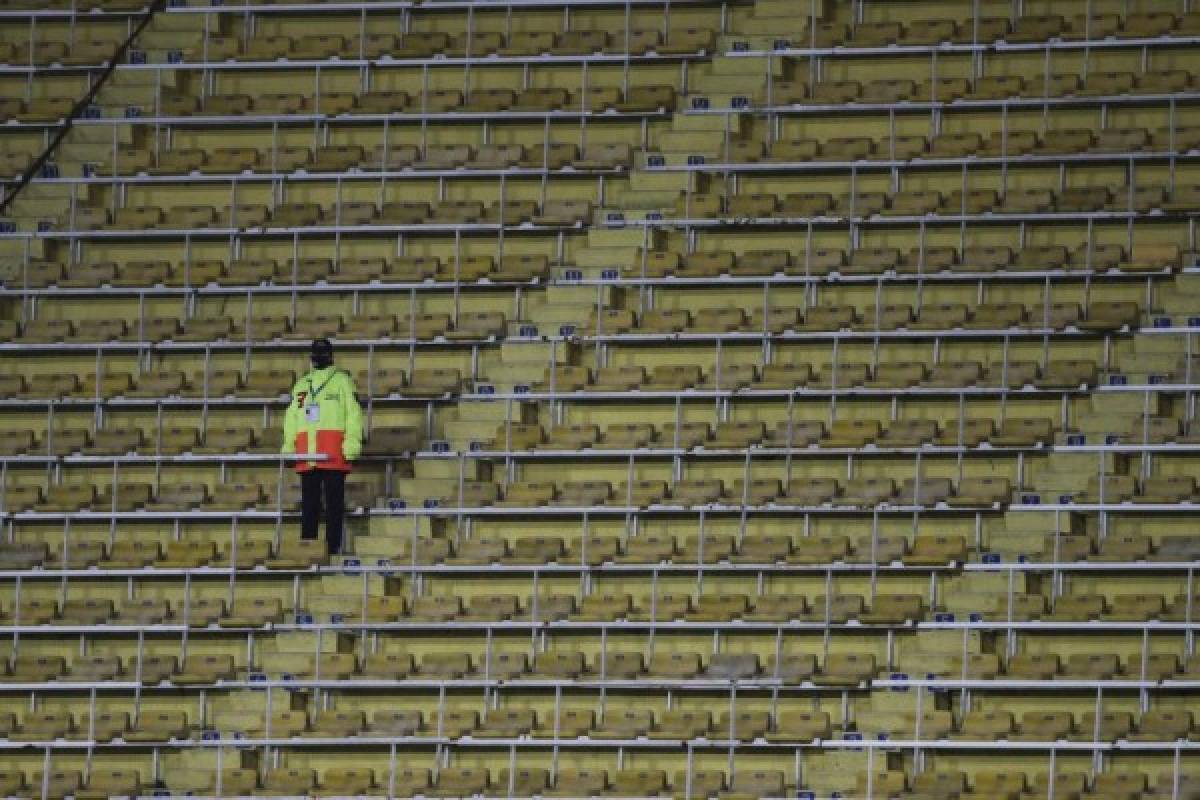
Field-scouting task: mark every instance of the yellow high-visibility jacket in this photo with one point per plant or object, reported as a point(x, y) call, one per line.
point(324, 417)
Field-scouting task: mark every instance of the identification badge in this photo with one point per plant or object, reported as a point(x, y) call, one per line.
point(312, 412)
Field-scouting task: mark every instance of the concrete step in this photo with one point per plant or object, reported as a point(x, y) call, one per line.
point(475, 430)
point(117, 98)
point(987, 582)
point(1011, 545)
point(782, 8)
point(351, 585)
point(1107, 422)
point(1151, 362)
point(519, 372)
point(99, 134)
point(184, 22)
point(693, 142)
point(1181, 300)
point(145, 78)
point(644, 201)
point(309, 642)
point(604, 257)
point(1123, 403)
point(746, 84)
point(551, 318)
point(1155, 344)
point(377, 547)
point(706, 123)
point(558, 295)
point(1188, 281)
point(742, 65)
point(662, 181)
point(541, 352)
point(1038, 522)
point(493, 411)
point(39, 207)
point(395, 527)
point(615, 237)
point(433, 472)
point(787, 25)
point(89, 152)
point(163, 40)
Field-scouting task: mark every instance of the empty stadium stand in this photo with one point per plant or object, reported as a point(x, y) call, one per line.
point(765, 398)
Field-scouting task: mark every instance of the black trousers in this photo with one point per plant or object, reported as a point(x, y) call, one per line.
point(328, 485)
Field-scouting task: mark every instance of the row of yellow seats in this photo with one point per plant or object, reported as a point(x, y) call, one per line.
point(824, 492)
point(943, 146)
point(131, 552)
point(14, 163)
point(743, 784)
point(42, 274)
point(788, 376)
point(932, 202)
point(928, 259)
point(858, 669)
point(433, 44)
point(1025, 29)
point(766, 549)
point(935, 317)
point(516, 723)
point(819, 262)
point(868, 492)
point(81, 52)
point(338, 159)
point(72, 497)
point(439, 382)
point(901, 433)
point(64, 498)
point(476, 326)
point(52, 108)
point(216, 439)
point(1013, 432)
point(888, 91)
point(270, 383)
point(594, 99)
point(244, 216)
point(186, 553)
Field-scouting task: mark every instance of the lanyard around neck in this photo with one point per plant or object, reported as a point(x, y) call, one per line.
point(312, 394)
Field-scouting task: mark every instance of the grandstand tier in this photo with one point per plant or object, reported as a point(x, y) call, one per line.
point(764, 398)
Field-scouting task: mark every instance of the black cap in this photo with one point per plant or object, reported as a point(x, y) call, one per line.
point(322, 352)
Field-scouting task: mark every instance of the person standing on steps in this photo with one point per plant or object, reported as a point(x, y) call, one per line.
point(323, 418)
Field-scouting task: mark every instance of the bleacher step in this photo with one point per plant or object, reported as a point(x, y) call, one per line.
point(392, 527)
point(1181, 300)
point(616, 237)
point(350, 584)
point(1040, 522)
point(661, 181)
point(517, 373)
point(433, 471)
point(763, 23)
point(292, 642)
point(1124, 403)
point(494, 411)
point(542, 352)
point(607, 256)
point(745, 85)
point(743, 66)
point(651, 200)
point(701, 142)
point(798, 9)
point(706, 123)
